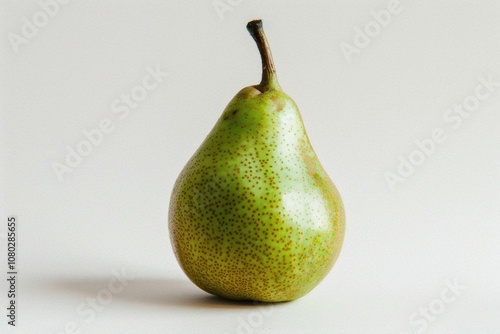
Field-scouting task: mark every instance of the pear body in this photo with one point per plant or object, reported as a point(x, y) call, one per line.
point(253, 215)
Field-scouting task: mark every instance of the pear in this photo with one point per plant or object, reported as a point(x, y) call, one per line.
point(253, 215)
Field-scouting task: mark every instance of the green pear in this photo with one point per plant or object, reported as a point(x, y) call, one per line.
point(253, 215)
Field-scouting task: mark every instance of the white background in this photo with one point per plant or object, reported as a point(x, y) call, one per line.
point(403, 246)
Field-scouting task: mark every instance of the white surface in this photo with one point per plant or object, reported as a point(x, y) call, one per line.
point(110, 212)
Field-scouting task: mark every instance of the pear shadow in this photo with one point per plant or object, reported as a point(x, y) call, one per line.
point(153, 292)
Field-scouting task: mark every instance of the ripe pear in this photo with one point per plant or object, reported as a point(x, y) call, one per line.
point(253, 215)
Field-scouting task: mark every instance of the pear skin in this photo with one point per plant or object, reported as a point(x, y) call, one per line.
point(253, 215)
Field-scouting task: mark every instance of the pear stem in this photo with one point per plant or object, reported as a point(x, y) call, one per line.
point(269, 77)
